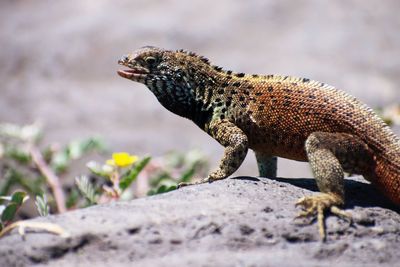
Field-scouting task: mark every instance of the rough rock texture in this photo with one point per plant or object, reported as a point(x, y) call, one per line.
point(243, 221)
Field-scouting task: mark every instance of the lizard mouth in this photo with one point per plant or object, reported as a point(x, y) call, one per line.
point(133, 73)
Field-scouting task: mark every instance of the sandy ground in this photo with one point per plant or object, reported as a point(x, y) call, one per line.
point(58, 61)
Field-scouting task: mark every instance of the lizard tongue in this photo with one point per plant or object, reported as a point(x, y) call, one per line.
point(125, 73)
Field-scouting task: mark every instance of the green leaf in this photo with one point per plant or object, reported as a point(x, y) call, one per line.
point(60, 161)
point(97, 169)
point(72, 198)
point(8, 182)
point(86, 189)
point(388, 121)
point(164, 186)
point(164, 175)
point(165, 189)
point(1, 226)
point(188, 174)
point(74, 150)
point(131, 176)
point(9, 212)
point(19, 197)
point(18, 155)
point(162, 189)
point(80, 147)
point(32, 186)
point(42, 205)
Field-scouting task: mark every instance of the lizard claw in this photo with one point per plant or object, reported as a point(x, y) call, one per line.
point(183, 184)
point(180, 185)
point(316, 206)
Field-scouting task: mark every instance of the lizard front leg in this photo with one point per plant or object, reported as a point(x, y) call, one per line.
point(236, 146)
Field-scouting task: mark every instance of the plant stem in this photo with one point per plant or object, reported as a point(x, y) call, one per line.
point(51, 177)
point(50, 227)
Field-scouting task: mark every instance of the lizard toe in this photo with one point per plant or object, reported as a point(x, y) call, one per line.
point(316, 206)
point(202, 181)
point(180, 185)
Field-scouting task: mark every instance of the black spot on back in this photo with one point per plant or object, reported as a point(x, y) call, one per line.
point(237, 84)
point(312, 97)
point(217, 68)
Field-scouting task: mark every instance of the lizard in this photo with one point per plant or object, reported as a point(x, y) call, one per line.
point(275, 116)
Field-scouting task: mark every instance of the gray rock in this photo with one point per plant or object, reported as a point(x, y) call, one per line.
point(242, 221)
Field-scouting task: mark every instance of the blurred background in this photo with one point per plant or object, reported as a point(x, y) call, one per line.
point(58, 61)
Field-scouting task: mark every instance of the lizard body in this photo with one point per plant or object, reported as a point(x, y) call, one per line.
point(276, 116)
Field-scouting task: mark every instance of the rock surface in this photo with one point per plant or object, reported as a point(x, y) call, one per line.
point(242, 221)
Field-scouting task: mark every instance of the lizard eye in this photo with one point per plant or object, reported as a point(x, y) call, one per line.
point(150, 60)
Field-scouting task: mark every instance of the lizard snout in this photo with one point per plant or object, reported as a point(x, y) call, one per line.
point(123, 60)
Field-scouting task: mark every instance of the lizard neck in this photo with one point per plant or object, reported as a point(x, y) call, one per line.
point(192, 92)
point(185, 100)
point(193, 110)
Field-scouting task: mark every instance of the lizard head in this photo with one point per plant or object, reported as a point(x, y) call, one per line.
point(162, 71)
point(142, 64)
point(172, 76)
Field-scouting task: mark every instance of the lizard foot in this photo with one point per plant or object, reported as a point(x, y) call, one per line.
point(316, 206)
point(202, 181)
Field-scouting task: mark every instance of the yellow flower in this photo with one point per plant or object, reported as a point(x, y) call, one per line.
point(122, 159)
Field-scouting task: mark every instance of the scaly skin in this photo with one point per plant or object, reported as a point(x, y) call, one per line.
point(276, 116)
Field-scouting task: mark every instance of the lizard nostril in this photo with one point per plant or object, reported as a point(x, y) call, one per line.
point(123, 59)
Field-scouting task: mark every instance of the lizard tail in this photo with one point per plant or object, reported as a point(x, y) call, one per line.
point(388, 177)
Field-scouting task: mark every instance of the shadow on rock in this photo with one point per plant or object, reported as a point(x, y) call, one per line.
point(358, 192)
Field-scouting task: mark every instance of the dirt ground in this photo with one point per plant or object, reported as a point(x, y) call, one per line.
point(58, 61)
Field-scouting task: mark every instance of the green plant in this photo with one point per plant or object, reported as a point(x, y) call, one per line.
point(9, 209)
point(43, 172)
point(87, 189)
point(26, 166)
point(42, 205)
point(176, 168)
point(390, 114)
point(121, 171)
point(161, 174)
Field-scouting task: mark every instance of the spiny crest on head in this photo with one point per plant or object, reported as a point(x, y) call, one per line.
point(146, 50)
point(192, 54)
point(207, 61)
